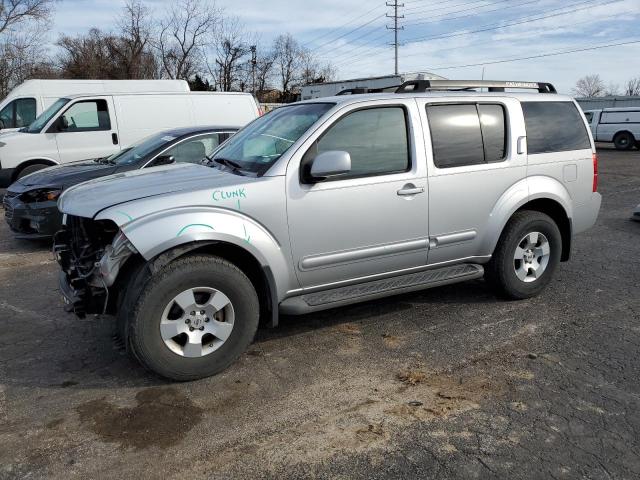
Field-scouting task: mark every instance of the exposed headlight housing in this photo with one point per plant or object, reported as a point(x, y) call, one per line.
point(42, 195)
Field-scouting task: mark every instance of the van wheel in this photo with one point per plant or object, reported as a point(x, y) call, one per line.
point(526, 257)
point(624, 141)
point(28, 170)
point(193, 318)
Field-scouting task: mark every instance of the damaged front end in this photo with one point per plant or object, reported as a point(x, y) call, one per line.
point(91, 254)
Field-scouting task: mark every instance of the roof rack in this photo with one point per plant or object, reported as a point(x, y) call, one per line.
point(414, 86)
point(362, 90)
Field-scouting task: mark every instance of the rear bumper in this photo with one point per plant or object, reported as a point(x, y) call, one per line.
point(31, 221)
point(6, 174)
point(585, 216)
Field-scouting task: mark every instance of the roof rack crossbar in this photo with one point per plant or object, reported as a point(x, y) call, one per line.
point(415, 86)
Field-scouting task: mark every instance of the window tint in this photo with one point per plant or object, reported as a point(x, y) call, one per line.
point(6, 115)
point(196, 149)
point(456, 135)
point(25, 112)
point(494, 132)
point(89, 115)
point(554, 127)
point(376, 139)
point(19, 113)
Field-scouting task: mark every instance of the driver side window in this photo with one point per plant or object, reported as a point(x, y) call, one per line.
point(90, 115)
point(195, 149)
point(19, 113)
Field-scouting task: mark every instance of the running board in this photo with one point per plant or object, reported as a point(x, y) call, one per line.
point(361, 292)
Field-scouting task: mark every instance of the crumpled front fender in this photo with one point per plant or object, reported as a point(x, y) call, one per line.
point(159, 232)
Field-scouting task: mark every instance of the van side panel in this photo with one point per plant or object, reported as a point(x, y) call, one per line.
point(224, 109)
point(142, 115)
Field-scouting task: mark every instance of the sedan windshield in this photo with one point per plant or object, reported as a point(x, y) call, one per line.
point(40, 122)
point(141, 150)
point(260, 144)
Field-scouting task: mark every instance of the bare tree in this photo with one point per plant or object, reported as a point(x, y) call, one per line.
point(132, 46)
point(632, 87)
point(589, 86)
point(87, 56)
point(612, 90)
point(184, 34)
point(230, 47)
point(23, 23)
point(288, 59)
point(314, 72)
point(265, 64)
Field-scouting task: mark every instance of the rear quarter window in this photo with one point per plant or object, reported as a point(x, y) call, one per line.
point(554, 127)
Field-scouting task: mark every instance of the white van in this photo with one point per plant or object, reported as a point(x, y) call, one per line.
point(29, 99)
point(82, 127)
point(618, 125)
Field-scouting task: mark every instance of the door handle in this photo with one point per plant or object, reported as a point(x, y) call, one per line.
point(410, 190)
point(521, 141)
point(114, 138)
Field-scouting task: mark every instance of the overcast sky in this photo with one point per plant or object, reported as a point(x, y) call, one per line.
point(438, 35)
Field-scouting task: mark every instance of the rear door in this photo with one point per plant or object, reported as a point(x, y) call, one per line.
point(472, 162)
point(86, 129)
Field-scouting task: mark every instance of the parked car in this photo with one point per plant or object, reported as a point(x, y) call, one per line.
point(94, 126)
point(329, 202)
point(618, 125)
point(30, 203)
point(29, 99)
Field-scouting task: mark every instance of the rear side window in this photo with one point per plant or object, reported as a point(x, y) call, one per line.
point(554, 127)
point(19, 113)
point(467, 134)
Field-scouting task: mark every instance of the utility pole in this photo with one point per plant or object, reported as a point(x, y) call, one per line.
point(254, 62)
point(395, 27)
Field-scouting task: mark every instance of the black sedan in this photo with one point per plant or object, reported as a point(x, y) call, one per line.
point(30, 203)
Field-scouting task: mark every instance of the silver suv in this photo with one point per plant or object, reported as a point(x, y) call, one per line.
point(329, 202)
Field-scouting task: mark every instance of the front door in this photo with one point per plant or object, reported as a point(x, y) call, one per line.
point(372, 220)
point(86, 130)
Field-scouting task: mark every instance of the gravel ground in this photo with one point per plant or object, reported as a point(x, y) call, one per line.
point(445, 383)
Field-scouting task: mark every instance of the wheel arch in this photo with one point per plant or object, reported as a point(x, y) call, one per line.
point(28, 163)
point(559, 215)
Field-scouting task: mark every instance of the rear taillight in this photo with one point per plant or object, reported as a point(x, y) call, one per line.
point(595, 172)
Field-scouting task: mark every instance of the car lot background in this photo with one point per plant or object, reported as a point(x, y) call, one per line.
point(448, 382)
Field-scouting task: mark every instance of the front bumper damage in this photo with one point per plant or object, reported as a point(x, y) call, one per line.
point(35, 220)
point(90, 254)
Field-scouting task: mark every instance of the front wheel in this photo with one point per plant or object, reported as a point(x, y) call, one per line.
point(193, 318)
point(526, 256)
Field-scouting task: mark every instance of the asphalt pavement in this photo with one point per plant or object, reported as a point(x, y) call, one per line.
point(446, 383)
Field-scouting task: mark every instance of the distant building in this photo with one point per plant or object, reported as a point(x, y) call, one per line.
point(597, 103)
point(329, 89)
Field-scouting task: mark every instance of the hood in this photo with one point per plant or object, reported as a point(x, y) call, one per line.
point(63, 176)
point(89, 198)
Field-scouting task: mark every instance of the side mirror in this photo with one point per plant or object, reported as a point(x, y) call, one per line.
point(63, 123)
point(164, 160)
point(330, 164)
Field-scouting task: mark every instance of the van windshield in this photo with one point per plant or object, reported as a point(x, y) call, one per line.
point(40, 122)
point(141, 150)
point(258, 146)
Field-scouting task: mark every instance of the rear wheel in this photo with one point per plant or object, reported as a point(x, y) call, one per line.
point(526, 256)
point(624, 141)
point(193, 318)
point(28, 170)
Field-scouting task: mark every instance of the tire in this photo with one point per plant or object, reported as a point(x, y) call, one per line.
point(28, 170)
point(624, 141)
point(503, 270)
point(206, 277)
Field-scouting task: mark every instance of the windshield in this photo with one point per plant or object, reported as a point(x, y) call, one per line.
point(257, 147)
point(141, 150)
point(40, 122)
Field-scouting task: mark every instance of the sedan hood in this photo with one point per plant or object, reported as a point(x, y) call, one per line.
point(63, 176)
point(89, 198)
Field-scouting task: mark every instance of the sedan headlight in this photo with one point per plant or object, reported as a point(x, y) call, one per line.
point(42, 195)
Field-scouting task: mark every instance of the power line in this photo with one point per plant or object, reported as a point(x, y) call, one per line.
point(542, 55)
point(348, 33)
point(395, 27)
point(486, 28)
point(343, 25)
